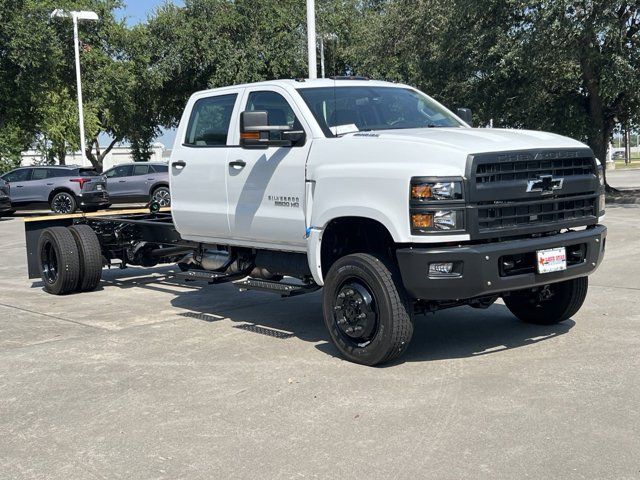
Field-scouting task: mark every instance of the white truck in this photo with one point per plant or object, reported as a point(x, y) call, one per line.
point(371, 190)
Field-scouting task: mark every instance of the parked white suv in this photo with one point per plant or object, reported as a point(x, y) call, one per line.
point(378, 194)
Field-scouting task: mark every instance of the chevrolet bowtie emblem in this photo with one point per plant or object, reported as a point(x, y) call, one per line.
point(545, 184)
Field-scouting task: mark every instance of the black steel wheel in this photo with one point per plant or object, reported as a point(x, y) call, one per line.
point(59, 260)
point(63, 202)
point(90, 254)
point(162, 196)
point(550, 304)
point(366, 309)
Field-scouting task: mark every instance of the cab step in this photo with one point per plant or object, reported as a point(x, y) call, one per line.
point(205, 276)
point(283, 288)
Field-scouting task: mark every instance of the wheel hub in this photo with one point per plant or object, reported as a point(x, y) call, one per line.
point(355, 313)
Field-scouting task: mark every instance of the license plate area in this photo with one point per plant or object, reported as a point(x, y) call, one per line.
point(551, 260)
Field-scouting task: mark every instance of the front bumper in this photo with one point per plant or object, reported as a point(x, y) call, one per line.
point(5, 204)
point(94, 199)
point(480, 266)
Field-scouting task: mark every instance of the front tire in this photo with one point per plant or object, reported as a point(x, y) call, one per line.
point(59, 260)
point(63, 202)
point(366, 309)
point(549, 305)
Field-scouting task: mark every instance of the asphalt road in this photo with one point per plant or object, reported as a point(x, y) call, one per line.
point(148, 378)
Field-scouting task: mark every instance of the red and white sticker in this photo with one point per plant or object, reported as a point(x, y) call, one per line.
point(552, 260)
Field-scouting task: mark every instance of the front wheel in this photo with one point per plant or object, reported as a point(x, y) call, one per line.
point(366, 309)
point(549, 304)
point(63, 202)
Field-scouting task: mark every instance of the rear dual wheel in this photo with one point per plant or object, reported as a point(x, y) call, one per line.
point(70, 259)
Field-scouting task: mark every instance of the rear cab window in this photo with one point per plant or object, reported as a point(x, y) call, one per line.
point(209, 122)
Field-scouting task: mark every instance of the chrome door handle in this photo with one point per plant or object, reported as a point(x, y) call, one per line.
point(238, 164)
point(179, 164)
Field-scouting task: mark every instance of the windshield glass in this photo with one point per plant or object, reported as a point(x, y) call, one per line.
point(343, 110)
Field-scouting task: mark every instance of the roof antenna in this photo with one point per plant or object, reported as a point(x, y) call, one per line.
point(311, 39)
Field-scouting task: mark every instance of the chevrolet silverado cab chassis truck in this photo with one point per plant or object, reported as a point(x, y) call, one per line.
point(370, 190)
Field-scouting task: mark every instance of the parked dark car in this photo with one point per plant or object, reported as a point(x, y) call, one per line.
point(64, 188)
point(139, 182)
point(5, 199)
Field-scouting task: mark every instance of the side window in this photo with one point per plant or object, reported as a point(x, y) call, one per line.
point(21, 175)
point(159, 168)
point(59, 172)
point(119, 171)
point(279, 110)
point(140, 169)
point(39, 174)
point(209, 122)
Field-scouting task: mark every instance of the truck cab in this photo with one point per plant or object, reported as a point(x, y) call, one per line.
point(455, 214)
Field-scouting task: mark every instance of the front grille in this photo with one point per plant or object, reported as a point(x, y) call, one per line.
point(514, 214)
point(532, 169)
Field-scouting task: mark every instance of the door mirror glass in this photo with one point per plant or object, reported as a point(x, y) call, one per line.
point(255, 132)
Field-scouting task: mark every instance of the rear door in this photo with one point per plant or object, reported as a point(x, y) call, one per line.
point(266, 194)
point(198, 165)
point(140, 181)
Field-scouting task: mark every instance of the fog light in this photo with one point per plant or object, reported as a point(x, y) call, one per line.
point(422, 220)
point(443, 268)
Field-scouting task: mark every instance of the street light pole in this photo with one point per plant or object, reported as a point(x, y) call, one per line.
point(75, 16)
point(311, 39)
point(76, 42)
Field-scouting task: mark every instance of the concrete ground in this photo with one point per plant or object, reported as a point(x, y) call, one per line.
point(624, 178)
point(148, 378)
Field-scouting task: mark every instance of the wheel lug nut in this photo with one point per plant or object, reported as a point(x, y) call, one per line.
point(337, 307)
point(349, 330)
point(358, 329)
point(341, 295)
point(358, 302)
point(361, 316)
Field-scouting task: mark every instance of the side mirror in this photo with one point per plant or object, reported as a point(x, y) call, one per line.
point(465, 114)
point(255, 132)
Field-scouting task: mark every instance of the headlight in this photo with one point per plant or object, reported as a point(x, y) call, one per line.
point(430, 191)
point(601, 175)
point(437, 221)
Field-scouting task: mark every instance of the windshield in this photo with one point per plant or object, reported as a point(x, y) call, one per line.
point(343, 110)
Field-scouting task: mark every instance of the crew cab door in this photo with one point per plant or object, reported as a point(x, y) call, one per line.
point(266, 187)
point(198, 166)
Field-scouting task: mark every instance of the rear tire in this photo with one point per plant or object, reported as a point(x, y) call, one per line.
point(161, 196)
point(63, 203)
point(90, 254)
point(366, 309)
point(59, 260)
point(549, 305)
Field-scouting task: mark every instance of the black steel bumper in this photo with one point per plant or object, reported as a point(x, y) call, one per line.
point(480, 268)
point(94, 199)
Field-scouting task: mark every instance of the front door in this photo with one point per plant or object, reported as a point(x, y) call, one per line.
point(19, 183)
point(198, 167)
point(117, 182)
point(266, 187)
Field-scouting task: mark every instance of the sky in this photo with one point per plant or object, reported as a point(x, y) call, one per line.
point(136, 11)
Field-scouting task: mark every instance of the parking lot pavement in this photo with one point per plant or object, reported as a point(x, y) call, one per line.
point(624, 178)
point(151, 378)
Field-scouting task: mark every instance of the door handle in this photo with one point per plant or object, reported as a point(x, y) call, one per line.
point(19, 186)
point(149, 179)
point(122, 181)
point(49, 183)
point(179, 164)
point(238, 164)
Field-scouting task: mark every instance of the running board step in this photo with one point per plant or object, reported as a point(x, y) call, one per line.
point(284, 289)
point(205, 276)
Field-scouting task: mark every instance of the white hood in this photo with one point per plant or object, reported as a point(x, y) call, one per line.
point(478, 140)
